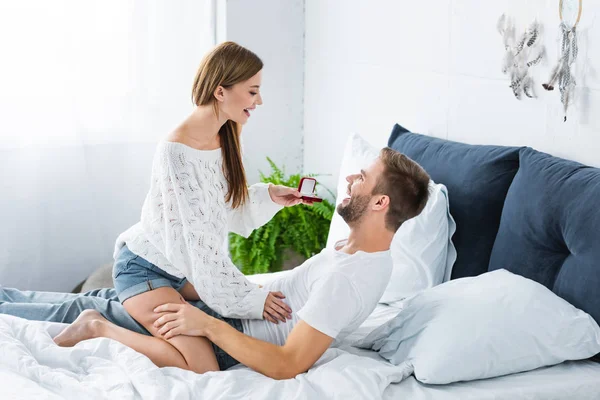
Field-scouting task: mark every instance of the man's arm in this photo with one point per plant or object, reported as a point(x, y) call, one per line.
point(302, 349)
point(308, 340)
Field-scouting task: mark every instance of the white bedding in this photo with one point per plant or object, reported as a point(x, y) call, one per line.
point(33, 367)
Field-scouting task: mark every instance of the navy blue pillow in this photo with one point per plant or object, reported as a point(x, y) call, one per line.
point(550, 228)
point(477, 178)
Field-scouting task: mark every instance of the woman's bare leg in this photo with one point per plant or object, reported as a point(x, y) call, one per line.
point(91, 324)
point(187, 352)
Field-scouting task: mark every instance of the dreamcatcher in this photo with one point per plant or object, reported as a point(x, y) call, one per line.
point(520, 55)
point(561, 73)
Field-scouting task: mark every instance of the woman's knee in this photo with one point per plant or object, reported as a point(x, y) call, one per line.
point(203, 359)
point(197, 352)
point(202, 368)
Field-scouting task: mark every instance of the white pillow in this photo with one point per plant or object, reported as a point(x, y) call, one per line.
point(495, 324)
point(422, 251)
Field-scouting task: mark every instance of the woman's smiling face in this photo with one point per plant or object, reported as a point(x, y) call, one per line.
point(241, 99)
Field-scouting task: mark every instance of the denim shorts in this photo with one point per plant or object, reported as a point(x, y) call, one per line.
point(133, 275)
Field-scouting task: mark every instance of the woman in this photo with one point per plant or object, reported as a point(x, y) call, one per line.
point(198, 190)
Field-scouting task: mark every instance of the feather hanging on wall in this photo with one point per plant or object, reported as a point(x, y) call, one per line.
point(520, 55)
point(561, 73)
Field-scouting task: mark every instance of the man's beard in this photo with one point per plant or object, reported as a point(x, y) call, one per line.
point(355, 209)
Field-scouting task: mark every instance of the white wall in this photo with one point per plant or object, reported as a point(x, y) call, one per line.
point(86, 91)
point(274, 30)
point(76, 142)
point(331, 67)
point(434, 67)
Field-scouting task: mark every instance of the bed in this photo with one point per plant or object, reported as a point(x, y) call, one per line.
point(486, 199)
point(32, 367)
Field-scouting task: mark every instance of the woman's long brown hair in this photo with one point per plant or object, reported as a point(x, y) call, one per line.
point(226, 65)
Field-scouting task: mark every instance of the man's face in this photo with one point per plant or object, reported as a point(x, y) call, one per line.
point(360, 188)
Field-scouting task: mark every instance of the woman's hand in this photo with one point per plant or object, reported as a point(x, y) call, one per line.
point(276, 309)
point(181, 319)
point(286, 196)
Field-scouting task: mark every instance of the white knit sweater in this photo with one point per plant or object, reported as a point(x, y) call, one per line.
point(184, 225)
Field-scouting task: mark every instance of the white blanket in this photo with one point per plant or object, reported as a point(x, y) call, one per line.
point(32, 366)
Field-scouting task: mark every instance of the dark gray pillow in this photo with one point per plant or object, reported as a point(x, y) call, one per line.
point(550, 228)
point(477, 178)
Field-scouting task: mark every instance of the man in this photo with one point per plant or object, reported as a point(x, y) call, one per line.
point(333, 292)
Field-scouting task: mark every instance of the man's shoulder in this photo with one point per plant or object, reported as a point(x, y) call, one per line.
point(368, 271)
point(357, 269)
point(338, 278)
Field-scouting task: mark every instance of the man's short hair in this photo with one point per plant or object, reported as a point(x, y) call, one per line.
point(406, 184)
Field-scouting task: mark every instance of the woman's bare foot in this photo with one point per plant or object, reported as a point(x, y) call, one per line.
point(86, 326)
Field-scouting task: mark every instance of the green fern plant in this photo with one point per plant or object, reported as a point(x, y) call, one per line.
point(302, 229)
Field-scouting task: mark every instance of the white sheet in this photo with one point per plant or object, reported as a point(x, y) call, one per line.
point(32, 366)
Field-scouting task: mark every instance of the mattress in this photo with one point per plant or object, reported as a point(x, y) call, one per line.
point(573, 380)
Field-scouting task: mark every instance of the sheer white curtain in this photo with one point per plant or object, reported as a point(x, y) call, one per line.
point(86, 89)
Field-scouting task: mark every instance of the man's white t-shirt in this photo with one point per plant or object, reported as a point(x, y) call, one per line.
point(333, 292)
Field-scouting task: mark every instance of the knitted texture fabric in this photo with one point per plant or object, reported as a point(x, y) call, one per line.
point(184, 224)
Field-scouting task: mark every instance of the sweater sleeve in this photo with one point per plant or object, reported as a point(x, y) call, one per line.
point(178, 212)
point(257, 211)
